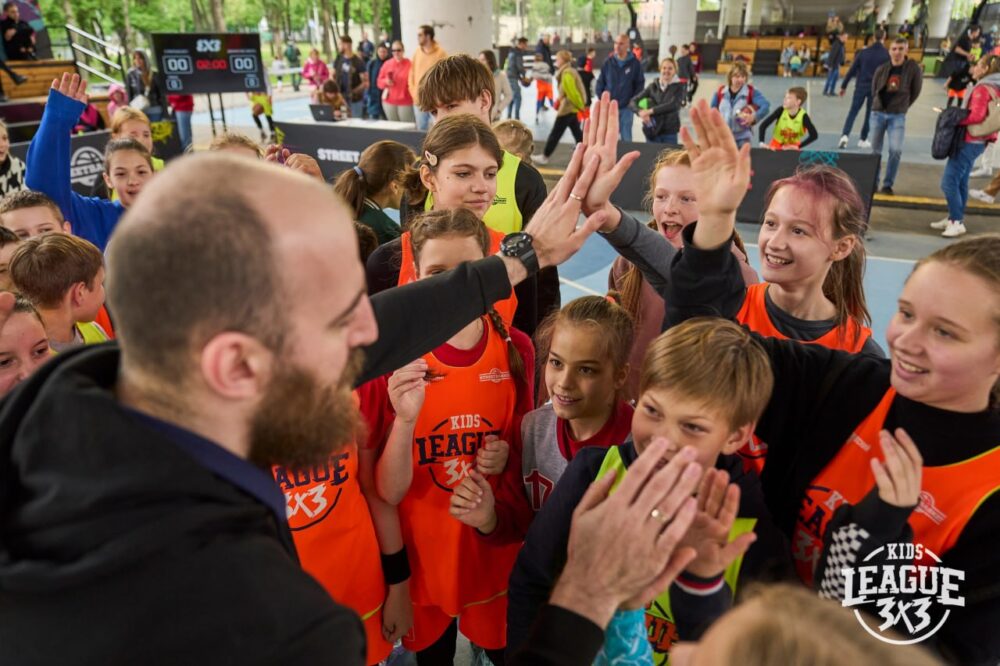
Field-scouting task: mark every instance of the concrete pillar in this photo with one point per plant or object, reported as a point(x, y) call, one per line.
point(938, 17)
point(885, 6)
point(730, 13)
point(460, 26)
point(677, 25)
point(901, 12)
point(752, 16)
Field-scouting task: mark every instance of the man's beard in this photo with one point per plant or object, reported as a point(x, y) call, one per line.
point(300, 422)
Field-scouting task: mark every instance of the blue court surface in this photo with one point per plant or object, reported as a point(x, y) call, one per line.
point(587, 273)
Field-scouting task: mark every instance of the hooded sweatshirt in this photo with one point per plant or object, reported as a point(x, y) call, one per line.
point(145, 543)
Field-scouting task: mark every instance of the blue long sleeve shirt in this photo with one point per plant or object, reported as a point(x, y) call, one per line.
point(866, 61)
point(623, 79)
point(48, 171)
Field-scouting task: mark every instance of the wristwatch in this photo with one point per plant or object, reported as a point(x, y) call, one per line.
point(519, 246)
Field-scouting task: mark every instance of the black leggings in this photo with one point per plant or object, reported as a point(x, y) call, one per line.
point(570, 122)
point(442, 651)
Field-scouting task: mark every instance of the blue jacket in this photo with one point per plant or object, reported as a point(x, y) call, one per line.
point(48, 172)
point(373, 96)
point(730, 110)
point(623, 79)
point(866, 61)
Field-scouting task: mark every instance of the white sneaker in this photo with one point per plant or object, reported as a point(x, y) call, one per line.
point(954, 229)
point(540, 159)
point(981, 172)
point(940, 224)
point(980, 195)
point(843, 142)
point(864, 143)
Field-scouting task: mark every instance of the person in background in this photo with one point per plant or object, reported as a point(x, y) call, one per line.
point(571, 102)
point(516, 138)
point(117, 98)
point(836, 57)
point(621, 76)
point(895, 87)
point(794, 129)
point(143, 88)
point(504, 90)
point(24, 346)
point(687, 72)
point(90, 120)
point(236, 143)
point(543, 87)
point(293, 59)
point(543, 51)
point(18, 35)
point(373, 96)
point(740, 105)
point(786, 60)
point(866, 61)
point(376, 184)
point(8, 245)
point(11, 166)
point(261, 104)
point(517, 76)
point(315, 70)
point(659, 105)
point(349, 72)
point(393, 80)
point(330, 94)
point(183, 107)
point(428, 53)
point(366, 48)
point(960, 55)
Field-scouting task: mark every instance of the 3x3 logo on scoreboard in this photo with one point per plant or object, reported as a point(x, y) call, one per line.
point(193, 63)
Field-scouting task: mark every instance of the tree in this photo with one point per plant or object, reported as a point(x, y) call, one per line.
point(218, 16)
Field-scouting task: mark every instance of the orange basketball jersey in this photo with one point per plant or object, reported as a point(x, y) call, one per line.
point(949, 495)
point(753, 314)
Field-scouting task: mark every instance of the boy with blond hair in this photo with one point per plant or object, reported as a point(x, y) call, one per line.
point(63, 277)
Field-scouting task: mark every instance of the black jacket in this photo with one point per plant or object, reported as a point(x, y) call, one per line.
point(135, 87)
point(664, 103)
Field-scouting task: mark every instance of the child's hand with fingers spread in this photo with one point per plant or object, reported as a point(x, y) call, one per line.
point(601, 139)
point(473, 503)
point(492, 457)
point(899, 476)
point(72, 86)
point(718, 506)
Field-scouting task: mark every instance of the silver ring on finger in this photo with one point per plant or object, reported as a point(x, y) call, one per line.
point(656, 514)
point(578, 198)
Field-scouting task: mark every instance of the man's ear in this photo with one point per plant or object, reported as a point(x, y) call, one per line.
point(236, 366)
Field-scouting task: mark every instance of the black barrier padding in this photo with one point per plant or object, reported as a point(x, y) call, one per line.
point(87, 153)
point(337, 147)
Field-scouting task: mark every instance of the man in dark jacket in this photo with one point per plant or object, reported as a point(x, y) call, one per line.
point(621, 76)
point(516, 75)
point(895, 87)
point(835, 57)
point(543, 50)
point(866, 61)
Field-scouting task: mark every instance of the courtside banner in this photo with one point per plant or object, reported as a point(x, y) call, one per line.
point(337, 147)
point(767, 166)
point(193, 63)
point(86, 153)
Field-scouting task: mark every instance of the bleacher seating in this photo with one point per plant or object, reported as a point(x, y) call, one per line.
point(40, 74)
point(750, 49)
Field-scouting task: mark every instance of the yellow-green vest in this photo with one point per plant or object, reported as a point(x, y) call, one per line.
point(503, 215)
point(788, 130)
point(659, 618)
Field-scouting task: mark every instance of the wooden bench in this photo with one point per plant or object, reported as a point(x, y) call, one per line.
point(39, 74)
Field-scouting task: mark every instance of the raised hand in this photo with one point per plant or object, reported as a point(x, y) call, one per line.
point(721, 174)
point(554, 226)
point(718, 506)
point(492, 457)
point(473, 503)
point(601, 139)
point(72, 86)
point(406, 390)
point(898, 478)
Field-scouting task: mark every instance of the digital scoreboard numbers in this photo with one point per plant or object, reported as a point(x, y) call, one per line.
point(194, 63)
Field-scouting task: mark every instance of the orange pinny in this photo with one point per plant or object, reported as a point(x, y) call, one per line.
point(454, 572)
point(407, 273)
point(753, 314)
point(949, 495)
point(335, 538)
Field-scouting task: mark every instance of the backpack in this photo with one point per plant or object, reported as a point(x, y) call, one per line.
point(948, 134)
point(991, 123)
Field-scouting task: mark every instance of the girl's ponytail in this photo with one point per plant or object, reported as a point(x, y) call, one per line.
point(513, 355)
point(351, 187)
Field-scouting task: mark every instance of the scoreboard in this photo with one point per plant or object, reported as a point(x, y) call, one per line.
point(193, 63)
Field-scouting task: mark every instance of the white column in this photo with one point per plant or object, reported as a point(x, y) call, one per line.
point(902, 11)
point(677, 25)
point(752, 16)
point(884, 7)
point(938, 17)
point(729, 14)
point(460, 26)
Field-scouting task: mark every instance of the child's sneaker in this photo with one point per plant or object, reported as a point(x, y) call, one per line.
point(940, 224)
point(980, 195)
point(954, 229)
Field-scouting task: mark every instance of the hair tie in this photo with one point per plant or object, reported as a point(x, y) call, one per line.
point(507, 339)
point(431, 158)
point(611, 299)
point(357, 170)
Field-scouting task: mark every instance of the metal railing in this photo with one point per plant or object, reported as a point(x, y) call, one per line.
point(96, 56)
